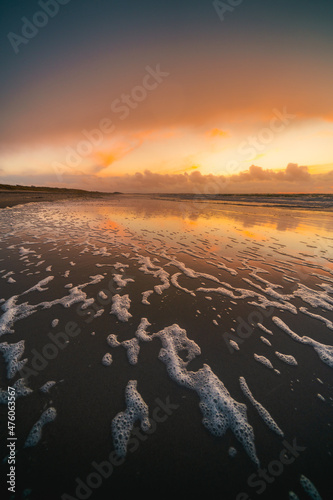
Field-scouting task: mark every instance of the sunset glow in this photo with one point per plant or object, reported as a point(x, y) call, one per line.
point(98, 101)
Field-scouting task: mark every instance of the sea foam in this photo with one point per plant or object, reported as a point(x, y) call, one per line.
point(123, 422)
point(220, 411)
point(36, 432)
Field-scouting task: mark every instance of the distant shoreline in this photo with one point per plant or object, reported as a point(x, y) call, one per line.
point(10, 198)
point(17, 195)
point(304, 201)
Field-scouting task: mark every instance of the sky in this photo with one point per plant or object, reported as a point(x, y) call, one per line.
point(171, 96)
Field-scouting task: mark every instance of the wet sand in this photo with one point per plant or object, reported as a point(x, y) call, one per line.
point(12, 198)
point(220, 274)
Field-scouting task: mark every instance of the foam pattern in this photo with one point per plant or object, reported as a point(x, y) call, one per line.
point(120, 281)
point(327, 322)
point(107, 359)
point(265, 341)
point(40, 286)
point(314, 297)
point(265, 415)
point(13, 312)
point(148, 267)
point(264, 329)
point(12, 354)
point(36, 432)
point(263, 360)
point(20, 390)
point(145, 296)
point(47, 386)
point(174, 281)
point(220, 411)
point(132, 347)
point(123, 422)
point(325, 352)
point(141, 332)
point(265, 303)
point(127, 240)
point(287, 358)
point(309, 488)
point(120, 306)
point(234, 345)
point(112, 340)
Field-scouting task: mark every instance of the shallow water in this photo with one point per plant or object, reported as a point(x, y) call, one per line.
point(214, 319)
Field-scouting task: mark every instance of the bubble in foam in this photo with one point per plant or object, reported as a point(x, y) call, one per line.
point(112, 340)
point(123, 422)
point(263, 360)
point(47, 386)
point(107, 359)
point(287, 358)
point(310, 488)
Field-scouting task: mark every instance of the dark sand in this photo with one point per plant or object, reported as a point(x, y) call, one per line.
point(12, 198)
point(179, 454)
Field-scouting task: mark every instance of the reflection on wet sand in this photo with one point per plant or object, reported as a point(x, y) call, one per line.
point(111, 305)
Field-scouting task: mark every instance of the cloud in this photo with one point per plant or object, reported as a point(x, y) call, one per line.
point(292, 179)
point(292, 173)
point(216, 132)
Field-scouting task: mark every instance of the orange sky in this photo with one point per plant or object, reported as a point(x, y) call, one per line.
point(148, 116)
